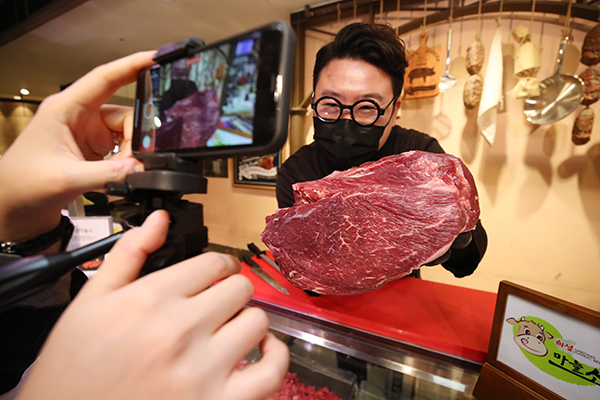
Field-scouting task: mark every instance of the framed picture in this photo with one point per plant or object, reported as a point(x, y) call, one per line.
point(542, 347)
point(256, 171)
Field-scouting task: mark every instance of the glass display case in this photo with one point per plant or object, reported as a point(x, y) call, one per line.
point(360, 366)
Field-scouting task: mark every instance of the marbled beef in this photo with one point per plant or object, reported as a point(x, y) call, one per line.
point(200, 115)
point(353, 231)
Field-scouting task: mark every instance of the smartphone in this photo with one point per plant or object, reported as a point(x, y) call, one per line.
point(231, 98)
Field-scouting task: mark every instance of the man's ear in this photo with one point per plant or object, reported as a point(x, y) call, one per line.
point(397, 108)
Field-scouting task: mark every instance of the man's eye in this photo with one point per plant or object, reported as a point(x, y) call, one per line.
point(366, 109)
point(329, 108)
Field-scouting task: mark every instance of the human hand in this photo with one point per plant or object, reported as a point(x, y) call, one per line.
point(59, 155)
point(461, 241)
point(171, 334)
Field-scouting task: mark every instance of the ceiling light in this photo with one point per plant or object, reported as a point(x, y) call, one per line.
point(17, 98)
point(24, 91)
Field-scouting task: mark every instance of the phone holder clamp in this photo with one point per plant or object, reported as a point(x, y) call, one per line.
point(176, 50)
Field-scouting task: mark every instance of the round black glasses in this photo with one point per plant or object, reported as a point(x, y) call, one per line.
point(363, 112)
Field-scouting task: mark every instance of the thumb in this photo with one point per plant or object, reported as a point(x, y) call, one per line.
point(124, 262)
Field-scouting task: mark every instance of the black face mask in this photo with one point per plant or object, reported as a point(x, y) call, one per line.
point(347, 143)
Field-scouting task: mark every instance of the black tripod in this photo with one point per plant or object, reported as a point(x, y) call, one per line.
point(163, 188)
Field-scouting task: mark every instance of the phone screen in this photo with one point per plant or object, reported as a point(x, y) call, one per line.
point(222, 96)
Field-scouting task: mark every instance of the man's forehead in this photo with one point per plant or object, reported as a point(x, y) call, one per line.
point(351, 80)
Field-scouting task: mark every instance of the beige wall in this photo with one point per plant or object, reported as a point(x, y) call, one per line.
point(235, 216)
point(14, 116)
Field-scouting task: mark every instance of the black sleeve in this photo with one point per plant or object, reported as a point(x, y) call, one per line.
point(463, 262)
point(23, 331)
point(433, 146)
point(283, 187)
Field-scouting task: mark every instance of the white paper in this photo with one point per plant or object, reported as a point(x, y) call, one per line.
point(89, 230)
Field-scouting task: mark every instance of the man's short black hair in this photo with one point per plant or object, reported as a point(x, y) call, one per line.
point(376, 44)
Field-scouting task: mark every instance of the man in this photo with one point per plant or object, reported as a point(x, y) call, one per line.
point(357, 83)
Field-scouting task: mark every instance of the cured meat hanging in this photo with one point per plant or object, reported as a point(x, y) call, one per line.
point(590, 51)
point(590, 56)
point(582, 128)
point(353, 231)
point(475, 56)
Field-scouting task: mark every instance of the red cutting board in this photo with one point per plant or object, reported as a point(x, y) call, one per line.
point(443, 318)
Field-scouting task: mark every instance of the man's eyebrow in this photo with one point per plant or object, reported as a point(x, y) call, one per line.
point(332, 93)
point(374, 96)
point(364, 96)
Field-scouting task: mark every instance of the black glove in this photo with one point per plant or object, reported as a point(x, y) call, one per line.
point(460, 242)
point(311, 293)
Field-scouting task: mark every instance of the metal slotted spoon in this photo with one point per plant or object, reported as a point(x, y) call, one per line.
point(447, 81)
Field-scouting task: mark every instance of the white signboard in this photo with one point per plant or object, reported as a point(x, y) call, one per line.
point(89, 230)
point(540, 344)
point(558, 352)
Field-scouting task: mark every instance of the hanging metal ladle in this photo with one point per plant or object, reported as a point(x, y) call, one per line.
point(447, 81)
point(559, 96)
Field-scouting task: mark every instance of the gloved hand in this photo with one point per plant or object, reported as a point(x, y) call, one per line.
point(460, 242)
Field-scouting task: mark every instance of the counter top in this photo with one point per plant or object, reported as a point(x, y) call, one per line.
point(449, 320)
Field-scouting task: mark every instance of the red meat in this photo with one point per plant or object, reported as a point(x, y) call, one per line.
point(354, 231)
point(293, 389)
point(200, 116)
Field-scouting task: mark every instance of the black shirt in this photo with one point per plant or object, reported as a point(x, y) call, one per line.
point(23, 331)
point(308, 164)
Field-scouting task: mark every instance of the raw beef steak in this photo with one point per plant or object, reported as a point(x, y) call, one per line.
point(353, 231)
point(198, 117)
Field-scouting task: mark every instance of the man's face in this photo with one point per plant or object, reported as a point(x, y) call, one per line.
point(352, 80)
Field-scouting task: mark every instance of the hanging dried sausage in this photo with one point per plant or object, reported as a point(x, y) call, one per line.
point(582, 129)
point(475, 56)
point(472, 91)
point(590, 51)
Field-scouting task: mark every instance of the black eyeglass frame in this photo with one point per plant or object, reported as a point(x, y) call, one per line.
point(380, 111)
